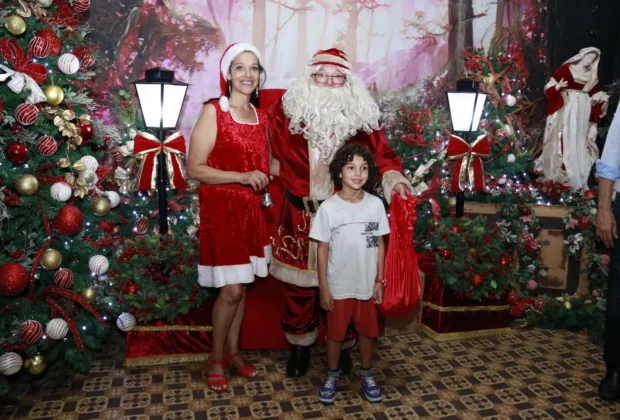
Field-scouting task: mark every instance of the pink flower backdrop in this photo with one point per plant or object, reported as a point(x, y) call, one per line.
point(408, 46)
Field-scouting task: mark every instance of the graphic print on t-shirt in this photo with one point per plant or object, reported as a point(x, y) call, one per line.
point(372, 241)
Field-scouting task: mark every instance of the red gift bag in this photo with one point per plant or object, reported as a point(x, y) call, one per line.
point(402, 291)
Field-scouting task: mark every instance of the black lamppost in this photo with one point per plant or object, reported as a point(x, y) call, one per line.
point(161, 99)
point(466, 105)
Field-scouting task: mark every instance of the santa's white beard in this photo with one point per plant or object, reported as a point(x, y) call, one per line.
point(327, 117)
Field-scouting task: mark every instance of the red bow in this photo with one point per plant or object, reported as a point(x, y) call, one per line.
point(468, 163)
point(147, 147)
point(15, 56)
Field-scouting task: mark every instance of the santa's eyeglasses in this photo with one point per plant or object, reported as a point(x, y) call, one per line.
point(337, 79)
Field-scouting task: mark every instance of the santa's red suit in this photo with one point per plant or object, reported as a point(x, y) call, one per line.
point(306, 181)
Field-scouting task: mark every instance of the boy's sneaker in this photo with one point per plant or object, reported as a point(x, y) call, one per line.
point(327, 393)
point(372, 392)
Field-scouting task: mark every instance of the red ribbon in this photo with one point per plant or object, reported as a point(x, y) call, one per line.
point(430, 195)
point(41, 250)
point(148, 147)
point(468, 163)
point(19, 61)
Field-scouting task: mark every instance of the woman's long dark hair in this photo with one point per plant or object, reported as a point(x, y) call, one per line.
point(254, 97)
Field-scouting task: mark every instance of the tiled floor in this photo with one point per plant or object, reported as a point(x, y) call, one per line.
point(533, 374)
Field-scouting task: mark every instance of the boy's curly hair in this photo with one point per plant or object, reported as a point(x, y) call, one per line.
point(345, 155)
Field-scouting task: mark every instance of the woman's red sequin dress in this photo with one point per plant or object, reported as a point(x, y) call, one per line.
point(234, 246)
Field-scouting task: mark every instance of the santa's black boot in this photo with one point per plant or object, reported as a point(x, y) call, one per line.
point(299, 361)
point(609, 388)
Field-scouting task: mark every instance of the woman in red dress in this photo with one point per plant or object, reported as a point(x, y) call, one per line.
point(229, 155)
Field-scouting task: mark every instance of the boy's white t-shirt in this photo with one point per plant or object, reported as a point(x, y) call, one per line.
point(352, 230)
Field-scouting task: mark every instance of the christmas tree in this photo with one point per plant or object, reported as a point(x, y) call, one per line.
point(59, 220)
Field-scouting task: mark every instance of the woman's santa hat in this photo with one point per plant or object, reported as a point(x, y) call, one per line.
point(332, 56)
point(229, 55)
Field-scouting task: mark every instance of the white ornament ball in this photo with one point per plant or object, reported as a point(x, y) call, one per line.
point(126, 321)
point(114, 198)
point(510, 100)
point(57, 329)
point(502, 180)
point(509, 130)
point(10, 363)
point(60, 191)
point(511, 158)
point(98, 264)
point(45, 3)
point(68, 63)
point(90, 162)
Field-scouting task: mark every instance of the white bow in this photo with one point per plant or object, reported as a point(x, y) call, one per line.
point(20, 81)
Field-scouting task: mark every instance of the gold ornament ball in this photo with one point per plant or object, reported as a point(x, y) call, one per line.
point(567, 305)
point(87, 175)
point(45, 3)
point(89, 294)
point(100, 206)
point(35, 364)
point(16, 25)
point(593, 211)
point(26, 185)
point(452, 201)
point(54, 94)
point(51, 259)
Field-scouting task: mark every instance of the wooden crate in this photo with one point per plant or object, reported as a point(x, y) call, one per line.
point(564, 273)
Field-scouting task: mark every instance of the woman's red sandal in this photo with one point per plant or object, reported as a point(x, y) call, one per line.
point(217, 379)
point(247, 370)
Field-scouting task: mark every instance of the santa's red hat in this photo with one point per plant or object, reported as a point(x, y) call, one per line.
point(332, 56)
point(229, 55)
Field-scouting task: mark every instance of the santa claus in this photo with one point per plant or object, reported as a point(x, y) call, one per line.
point(326, 107)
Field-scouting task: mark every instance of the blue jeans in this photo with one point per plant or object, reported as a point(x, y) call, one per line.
point(611, 354)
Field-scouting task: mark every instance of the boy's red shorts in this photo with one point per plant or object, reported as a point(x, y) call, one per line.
point(363, 313)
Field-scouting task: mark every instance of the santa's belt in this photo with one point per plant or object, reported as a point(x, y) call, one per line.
point(309, 203)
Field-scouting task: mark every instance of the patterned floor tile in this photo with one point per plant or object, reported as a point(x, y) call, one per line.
point(527, 375)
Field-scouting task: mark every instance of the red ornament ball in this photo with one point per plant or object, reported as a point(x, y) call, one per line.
point(63, 278)
point(445, 253)
point(39, 47)
point(81, 6)
point(87, 61)
point(133, 289)
point(51, 38)
point(590, 194)
point(87, 132)
point(16, 153)
point(539, 304)
point(30, 331)
point(26, 114)
point(69, 220)
point(504, 261)
point(455, 229)
point(476, 280)
point(141, 226)
point(13, 278)
point(47, 145)
point(117, 156)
